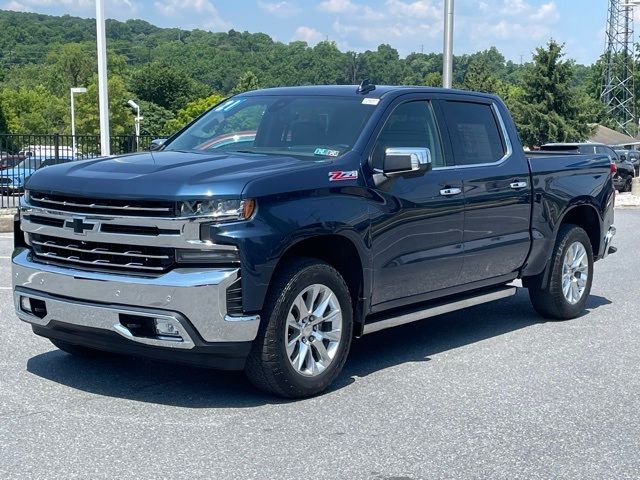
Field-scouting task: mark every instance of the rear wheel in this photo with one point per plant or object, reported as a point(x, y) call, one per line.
point(627, 184)
point(570, 276)
point(306, 332)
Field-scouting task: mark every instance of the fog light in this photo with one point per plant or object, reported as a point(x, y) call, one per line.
point(25, 304)
point(167, 328)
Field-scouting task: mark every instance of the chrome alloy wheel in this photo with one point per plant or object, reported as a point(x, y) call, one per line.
point(575, 272)
point(313, 330)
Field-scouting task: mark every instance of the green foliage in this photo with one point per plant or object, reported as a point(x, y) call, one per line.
point(166, 86)
point(248, 81)
point(4, 125)
point(548, 110)
point(33, 110)
point(191, 111)
point(120, 115)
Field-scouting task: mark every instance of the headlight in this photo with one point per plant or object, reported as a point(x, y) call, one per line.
point(218, 210)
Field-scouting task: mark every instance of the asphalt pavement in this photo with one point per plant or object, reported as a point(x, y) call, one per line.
point(489, 392)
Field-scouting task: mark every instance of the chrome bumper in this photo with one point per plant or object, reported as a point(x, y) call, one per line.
point(96, 300)
point(608, 239)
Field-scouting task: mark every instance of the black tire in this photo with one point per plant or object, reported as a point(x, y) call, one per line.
point(76, 350)
point(550, 302)
point(628, 184)
point(268, 366)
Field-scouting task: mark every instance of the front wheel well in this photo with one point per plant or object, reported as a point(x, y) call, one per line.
point(341, 254)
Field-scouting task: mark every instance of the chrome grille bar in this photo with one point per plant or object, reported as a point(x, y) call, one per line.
point(66, 203)
point(100, 263)
point(98, 250)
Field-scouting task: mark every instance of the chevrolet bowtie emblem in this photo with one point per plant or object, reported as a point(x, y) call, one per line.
point(79, 225)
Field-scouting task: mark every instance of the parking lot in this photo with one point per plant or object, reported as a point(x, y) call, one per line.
point(489, 392)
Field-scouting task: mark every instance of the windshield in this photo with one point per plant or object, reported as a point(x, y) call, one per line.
point(29, 163)
point(306, 126)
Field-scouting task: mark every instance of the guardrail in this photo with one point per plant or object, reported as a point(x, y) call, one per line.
point(22, 155)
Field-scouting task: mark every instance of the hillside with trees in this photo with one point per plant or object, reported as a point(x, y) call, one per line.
point(176, 74)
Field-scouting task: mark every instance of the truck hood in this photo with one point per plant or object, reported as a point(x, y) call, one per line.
point(163, 175)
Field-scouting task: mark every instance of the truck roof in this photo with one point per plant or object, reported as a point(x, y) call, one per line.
point(352, 91)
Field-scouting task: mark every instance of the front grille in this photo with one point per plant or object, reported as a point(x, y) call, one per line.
point(109, 256)
point(134, 208)
point(234, 298)
point(5, 180)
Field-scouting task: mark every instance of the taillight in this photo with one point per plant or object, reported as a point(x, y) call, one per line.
point(614, 169)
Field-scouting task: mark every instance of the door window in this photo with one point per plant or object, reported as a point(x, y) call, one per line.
point(411, 124)
point(475, 133)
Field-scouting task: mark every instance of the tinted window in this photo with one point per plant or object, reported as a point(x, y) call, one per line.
point(411, 124)
point(474, 132)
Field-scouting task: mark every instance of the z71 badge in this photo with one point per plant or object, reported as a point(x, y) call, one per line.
point(337, 176)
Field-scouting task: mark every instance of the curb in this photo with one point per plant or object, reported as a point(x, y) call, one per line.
point(6, 223)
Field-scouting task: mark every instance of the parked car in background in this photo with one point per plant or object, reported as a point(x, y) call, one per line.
point(632, 156)
point(47, 151)
point(13, 179)
point(625, 169)
point(280, 224)
point(9, 160)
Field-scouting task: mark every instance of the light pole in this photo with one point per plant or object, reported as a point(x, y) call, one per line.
point(74, 90)
point(447, 53)
point(103, 94)
point(138, 118)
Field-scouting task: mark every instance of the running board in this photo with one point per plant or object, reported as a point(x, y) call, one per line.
point(435, 310)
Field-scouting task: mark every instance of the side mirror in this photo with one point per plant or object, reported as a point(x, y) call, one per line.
point(404, 160)
point(157, 143)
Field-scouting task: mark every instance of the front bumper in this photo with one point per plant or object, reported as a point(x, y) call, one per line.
point(81, 301)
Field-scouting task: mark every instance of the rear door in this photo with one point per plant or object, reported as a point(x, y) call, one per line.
point(496, 189)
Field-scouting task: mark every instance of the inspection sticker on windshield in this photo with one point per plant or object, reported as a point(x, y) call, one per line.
point(342, 175)
point(370, 101)
point(327, 152)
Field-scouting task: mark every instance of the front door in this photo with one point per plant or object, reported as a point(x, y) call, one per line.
point(417, 221)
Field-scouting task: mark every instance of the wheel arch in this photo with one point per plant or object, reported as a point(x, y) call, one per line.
point(341, 253)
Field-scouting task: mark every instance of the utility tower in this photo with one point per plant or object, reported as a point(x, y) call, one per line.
point(619, 60)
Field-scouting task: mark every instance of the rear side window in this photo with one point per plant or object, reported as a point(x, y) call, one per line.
point(475, 133)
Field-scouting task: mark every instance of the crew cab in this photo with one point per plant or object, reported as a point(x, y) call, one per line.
point(282, 223)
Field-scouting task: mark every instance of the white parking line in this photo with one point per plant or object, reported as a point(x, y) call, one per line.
point(6, 288)
point(1, 256)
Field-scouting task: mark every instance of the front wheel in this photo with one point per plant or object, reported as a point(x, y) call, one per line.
point(306, 332)
point(570, 277)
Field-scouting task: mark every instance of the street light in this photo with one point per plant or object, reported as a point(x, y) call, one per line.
point(74, 90)
point(447, 54)
point(138, 118)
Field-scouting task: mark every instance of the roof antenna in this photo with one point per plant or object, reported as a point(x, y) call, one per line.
point(365, 87)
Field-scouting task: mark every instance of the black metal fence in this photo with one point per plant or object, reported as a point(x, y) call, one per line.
point(21, 155)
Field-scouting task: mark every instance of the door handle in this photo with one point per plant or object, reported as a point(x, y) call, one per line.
point(517, 185)
point(447, 192)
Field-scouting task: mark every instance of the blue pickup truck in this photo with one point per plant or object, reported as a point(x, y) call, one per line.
point(282, 223)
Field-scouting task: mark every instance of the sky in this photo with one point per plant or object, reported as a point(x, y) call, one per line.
point(515, 27)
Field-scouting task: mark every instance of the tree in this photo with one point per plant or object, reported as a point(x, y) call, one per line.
point(33, 111)
point(70, 65)
point(121, 118)
point(4, 125)
point(248, 81)
point(164, 85)
point(480, 78)
point(548, 109)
